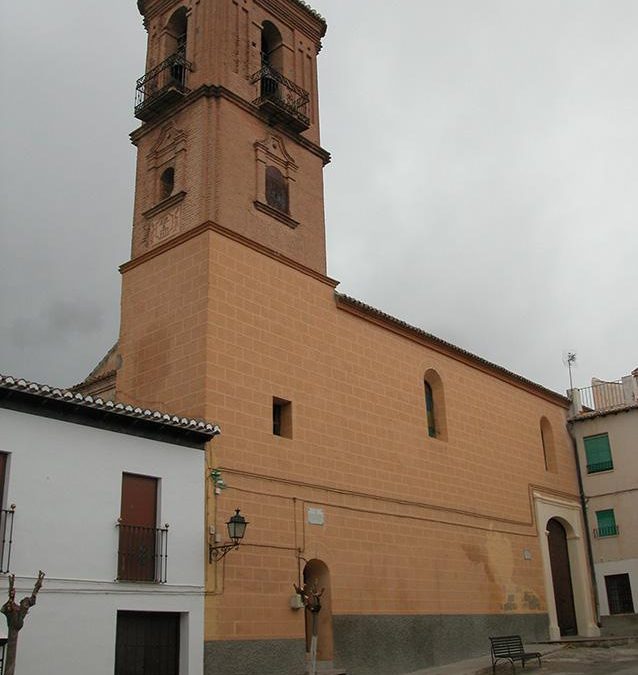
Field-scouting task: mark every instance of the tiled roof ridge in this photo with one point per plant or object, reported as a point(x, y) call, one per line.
point(92, 379)
point(312, 11)
point(127, 410)
point(603, 412)
point(444, 343)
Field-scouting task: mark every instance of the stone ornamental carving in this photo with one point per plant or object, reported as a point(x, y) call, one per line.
point(162, 227)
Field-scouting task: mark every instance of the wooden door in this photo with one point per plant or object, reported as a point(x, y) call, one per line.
point(147, 643)
point(562, 579)
point(138, 521)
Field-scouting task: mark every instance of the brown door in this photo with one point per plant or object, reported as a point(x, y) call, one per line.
point(138, 520)
point(147, 643)
point(561, 576)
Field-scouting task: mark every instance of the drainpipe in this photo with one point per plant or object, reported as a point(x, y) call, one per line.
point(583, 503)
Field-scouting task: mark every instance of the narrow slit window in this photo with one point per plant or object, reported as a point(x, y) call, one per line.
point(429, 410)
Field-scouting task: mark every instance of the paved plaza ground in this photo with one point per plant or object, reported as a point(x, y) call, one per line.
point(587, 661)
point(557, 660)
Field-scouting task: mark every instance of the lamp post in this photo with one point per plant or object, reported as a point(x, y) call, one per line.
point(236, 530)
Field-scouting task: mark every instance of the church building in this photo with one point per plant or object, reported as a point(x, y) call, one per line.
point(432, 495)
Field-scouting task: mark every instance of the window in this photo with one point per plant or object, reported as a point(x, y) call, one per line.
point(547, 441)
point(619, 594)
point(429, 409)
point(276, 189)
point(606, 524)
point(142, 545)
point(598, 453)
point(167, 183)
point(434, 405)
point(281, 418)
point(147, 642)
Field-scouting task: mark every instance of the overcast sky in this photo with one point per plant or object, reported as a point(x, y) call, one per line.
point(484, 182)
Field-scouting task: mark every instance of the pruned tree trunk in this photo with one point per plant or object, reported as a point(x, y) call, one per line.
point(15, 614)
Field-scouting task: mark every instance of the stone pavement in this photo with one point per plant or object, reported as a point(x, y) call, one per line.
point(571, 658)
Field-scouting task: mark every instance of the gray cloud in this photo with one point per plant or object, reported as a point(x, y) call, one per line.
point(482, 184)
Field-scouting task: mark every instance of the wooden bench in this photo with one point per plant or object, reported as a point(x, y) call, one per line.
point(510, 648)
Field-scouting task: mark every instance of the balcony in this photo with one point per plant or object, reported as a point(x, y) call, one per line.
point(608, 531)
point(162, 87)
point(282, 100)
point(604, 397)
point(6, 537)
point(142, 553)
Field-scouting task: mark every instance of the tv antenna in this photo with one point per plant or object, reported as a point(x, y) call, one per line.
point(569, 359)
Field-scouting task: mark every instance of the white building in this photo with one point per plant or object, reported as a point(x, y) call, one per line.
point(604, 423)
point(109, 502)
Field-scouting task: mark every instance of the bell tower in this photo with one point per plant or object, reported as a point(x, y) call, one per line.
point(230, 125)
point(228, 148)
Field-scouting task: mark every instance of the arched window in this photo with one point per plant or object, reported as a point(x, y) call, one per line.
point(277, 190)
point(435, 405)
point(167, 183)
point(547, 441)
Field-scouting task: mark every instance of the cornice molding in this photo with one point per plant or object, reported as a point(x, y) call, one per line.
point(210, 226)
point(419, 336)
point(217, 91)
point(165, 204)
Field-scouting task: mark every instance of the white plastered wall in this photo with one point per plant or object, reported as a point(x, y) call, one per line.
point(569, 514)
point(66, 482)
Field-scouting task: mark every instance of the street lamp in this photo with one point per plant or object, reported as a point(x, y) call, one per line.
point(236, 530)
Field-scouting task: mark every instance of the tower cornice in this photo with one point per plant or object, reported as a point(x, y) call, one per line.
point(217, 91)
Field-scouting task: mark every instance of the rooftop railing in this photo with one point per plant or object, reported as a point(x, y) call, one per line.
point(604, 396)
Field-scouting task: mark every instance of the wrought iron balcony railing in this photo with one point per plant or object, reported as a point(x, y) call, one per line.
point(162, 86)
point(142, 554)
point(607, 465)
point(607, 531)
point(6, 537)
point(282, 99)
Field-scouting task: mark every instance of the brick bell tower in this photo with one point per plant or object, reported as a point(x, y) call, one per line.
point(228, 149)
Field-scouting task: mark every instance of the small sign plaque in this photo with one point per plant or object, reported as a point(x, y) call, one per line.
point(315, 516)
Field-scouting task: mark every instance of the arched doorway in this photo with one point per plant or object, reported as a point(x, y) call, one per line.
point(316, 572)
point(561, 577)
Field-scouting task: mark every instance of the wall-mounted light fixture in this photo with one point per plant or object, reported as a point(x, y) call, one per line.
point(236, 531)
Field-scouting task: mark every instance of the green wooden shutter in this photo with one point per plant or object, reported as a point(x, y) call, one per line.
point(598, 453)
point(606, 523)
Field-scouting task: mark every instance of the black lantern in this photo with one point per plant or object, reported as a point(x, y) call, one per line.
point(236, 530)
point(237, 527)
